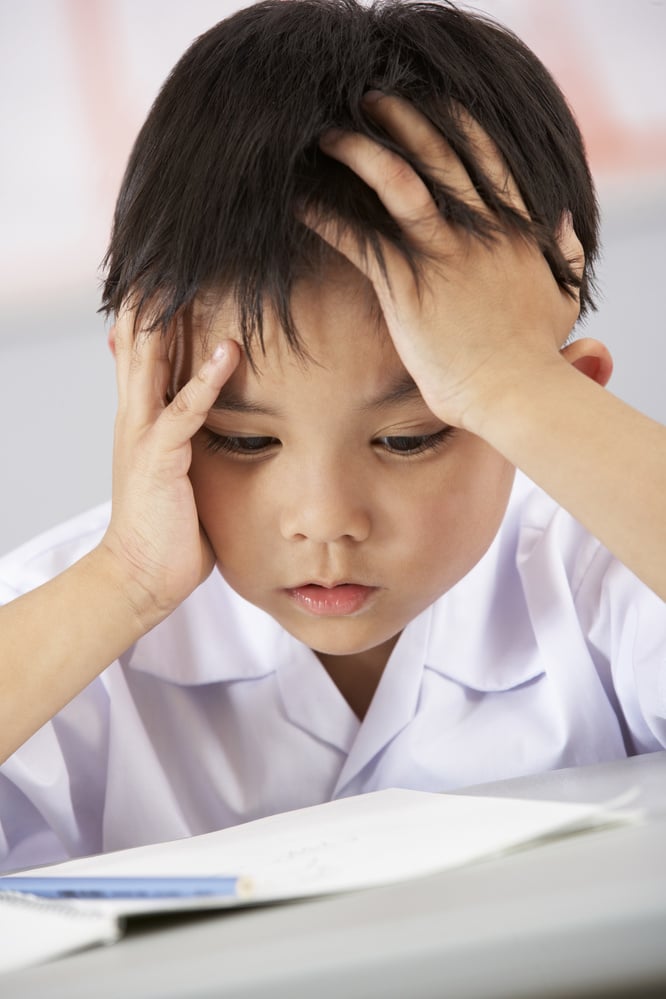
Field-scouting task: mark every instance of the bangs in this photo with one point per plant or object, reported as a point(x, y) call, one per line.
point(228, 158)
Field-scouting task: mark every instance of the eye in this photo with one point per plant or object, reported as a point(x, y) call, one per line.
point(412, 445)
point(241, 446)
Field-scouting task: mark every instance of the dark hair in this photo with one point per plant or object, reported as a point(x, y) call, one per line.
point(229, 152)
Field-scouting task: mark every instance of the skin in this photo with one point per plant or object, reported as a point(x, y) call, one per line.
point(482, 339)
point(329, 497)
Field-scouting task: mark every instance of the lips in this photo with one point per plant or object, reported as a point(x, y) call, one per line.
point(331, 601)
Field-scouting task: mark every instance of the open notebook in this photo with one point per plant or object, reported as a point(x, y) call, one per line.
point(344, 845)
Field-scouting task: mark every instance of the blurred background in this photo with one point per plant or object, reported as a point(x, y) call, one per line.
point(76, 80)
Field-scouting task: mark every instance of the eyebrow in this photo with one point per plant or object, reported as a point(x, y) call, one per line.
point(402, 389)
point(230, 402)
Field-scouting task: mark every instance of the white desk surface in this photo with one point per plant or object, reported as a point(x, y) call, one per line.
point(584, 916)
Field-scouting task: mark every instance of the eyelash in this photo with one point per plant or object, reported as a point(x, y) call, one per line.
point(416, 444)
point(255, 447)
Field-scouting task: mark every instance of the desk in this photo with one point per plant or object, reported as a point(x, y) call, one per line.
point(583, 916)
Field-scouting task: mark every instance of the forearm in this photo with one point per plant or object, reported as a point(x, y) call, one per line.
point(599, 458)
point(56, 639)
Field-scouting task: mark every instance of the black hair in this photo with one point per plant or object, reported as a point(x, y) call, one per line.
point(229, 155)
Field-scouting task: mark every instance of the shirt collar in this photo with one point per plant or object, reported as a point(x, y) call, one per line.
point(213, 636)
point(480, 634)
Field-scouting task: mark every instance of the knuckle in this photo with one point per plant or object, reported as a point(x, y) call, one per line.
point(182, 401)
point(399, 172)
point(424, 220)
point(189, 400)
point(434, 153)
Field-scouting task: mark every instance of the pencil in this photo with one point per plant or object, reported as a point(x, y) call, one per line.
point(126, 887)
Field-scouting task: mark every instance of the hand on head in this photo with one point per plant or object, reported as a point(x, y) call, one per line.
point(154, 530)
point(479, 309)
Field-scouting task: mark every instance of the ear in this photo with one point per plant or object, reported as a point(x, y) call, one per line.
point(111, 339)
point(591, 357)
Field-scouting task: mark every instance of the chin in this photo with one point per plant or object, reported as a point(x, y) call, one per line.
point(340, 640)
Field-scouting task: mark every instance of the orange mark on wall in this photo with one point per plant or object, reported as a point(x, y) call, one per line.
point(614, 144)
point(101, 63)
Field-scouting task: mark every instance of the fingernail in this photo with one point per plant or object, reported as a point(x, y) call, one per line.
point(330, 136)
point(372, 96)
point(219, 353)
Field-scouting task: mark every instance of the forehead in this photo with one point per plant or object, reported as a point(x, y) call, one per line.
point(340, 327)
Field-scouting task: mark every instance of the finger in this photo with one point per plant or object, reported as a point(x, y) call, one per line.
point(412, 130)
point(491, 161)
point(149, 372)
point(342, 239)
point(418, 136)
point(398, 186)
point(123, 340)
point(570, 245)
point(142, 366)
point(190, 406)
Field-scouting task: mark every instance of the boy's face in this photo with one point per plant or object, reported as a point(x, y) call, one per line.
point(333, 498)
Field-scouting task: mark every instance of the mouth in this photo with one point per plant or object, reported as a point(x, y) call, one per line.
point(337, 600)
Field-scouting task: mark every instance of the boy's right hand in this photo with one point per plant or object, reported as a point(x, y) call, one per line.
point(152, 556)
point(157, 546)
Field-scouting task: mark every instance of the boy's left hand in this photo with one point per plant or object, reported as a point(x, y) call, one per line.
point(481, 333)
point(483, 314)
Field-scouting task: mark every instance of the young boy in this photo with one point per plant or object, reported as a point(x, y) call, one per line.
point(348, 254)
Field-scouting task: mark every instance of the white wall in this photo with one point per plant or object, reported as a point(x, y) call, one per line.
point(76, 78)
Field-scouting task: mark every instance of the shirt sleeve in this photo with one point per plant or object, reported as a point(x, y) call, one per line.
point(626, 629)
point(47, 811)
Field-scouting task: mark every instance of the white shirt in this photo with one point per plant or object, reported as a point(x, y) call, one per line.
point(549, 653)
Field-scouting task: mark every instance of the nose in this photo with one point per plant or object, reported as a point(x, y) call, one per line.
point(326, 505)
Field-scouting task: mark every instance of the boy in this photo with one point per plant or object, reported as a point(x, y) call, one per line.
point(348, 253)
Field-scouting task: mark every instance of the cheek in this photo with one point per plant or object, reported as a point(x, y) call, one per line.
point(482, 505)
point(453, 520)
point(216, 494)
point(232, 505)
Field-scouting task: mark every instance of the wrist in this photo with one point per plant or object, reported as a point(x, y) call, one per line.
point(507, 389)
point(134, 607)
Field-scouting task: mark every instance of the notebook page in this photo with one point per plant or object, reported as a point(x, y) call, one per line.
point(352, 843)
point(33, 931)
